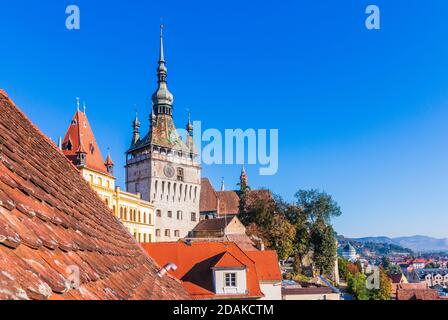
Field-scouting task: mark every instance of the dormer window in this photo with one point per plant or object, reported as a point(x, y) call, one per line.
point(69, 145)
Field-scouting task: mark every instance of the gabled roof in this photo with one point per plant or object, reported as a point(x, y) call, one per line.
point(227, 260)
point(80, 137)
point(229, 203)
point(218, 224)
point(195, 262)
point(52, 225)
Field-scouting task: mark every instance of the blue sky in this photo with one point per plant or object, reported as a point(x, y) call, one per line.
point(361, 114)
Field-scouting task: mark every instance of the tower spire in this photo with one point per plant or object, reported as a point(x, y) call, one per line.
point(77, 103)
point(136, 131)
point(162, 99)
point(161, 53)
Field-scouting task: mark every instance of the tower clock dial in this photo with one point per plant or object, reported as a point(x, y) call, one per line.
point(169, 171)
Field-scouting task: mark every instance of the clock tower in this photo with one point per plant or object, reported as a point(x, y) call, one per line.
point(162, 167)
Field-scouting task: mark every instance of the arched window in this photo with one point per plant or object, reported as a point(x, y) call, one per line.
point(139, 217)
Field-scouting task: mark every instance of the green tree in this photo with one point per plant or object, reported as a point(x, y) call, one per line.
point(343, 268)
point(356, 284)
point(282, 236)
point(317, 205)
point(324, 247)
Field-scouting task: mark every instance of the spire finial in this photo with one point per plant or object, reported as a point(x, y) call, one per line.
point(77, 103)
point(84, 107)
point(161, 56)
point(223, 188)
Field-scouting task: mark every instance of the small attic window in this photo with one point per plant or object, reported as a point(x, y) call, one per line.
point(92, 148)
point(74, 123)
point(69, 145)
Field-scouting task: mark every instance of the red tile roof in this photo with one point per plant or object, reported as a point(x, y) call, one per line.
point(79, 137)
point(268, 268)
point(228, 260)
point(218, 224)
point(228, 202)
point(208, 200)
point(194, 262)
point(417, 294)
point(53, 224)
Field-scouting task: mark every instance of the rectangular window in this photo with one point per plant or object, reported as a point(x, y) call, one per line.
point(230, 279)
point(159, 213)
point(144, 237)
point(180, 174)
point(157, 232)
point(177, 233)
point(179, 215)
point(193, 216)
point(167, 233)
point(170, 214)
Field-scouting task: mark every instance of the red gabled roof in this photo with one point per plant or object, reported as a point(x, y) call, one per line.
point(268, 268)
point(228, 203)
point(79, 136)
point(195, 262)
point(227, 260)
point(52, 225)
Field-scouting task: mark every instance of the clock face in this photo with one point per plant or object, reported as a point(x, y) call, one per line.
point(169, 171)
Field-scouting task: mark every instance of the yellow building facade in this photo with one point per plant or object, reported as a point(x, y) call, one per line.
point(136, 214)
point(80, 147)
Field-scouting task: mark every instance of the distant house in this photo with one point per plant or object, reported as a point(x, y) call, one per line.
point(215, 228)
point(431, 277)
point(220, 270)
point(397, 280)
point(419, 263)
point(225, 229)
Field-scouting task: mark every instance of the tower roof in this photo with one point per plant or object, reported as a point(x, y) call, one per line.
point(80, 137)
point(109, 161)
point(162, 96)
point(162, 131)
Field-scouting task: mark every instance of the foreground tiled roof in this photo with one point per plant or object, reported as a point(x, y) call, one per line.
point(79, 136)
point(52, 225)
point(195, 262)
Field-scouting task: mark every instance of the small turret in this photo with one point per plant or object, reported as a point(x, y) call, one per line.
point(109, 164)
point(136, 130)
point(81, 156)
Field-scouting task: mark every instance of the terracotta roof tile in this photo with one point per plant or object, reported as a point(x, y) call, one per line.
point(218, 224)
point(229, 202)
point(227, 260)
point(208, 200)
point(268, 268)
point(52, 223)
point(194, 262)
